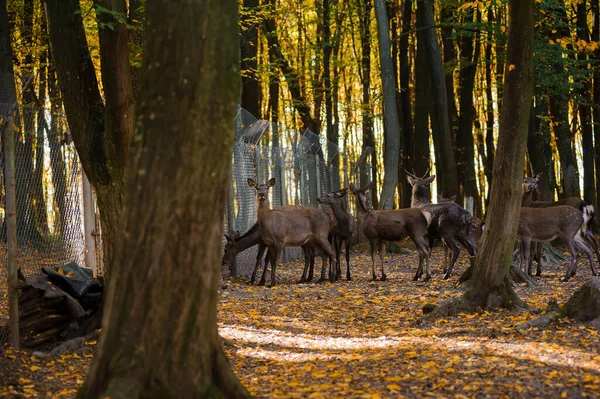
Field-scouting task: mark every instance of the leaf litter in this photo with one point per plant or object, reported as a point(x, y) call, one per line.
point(360, 339)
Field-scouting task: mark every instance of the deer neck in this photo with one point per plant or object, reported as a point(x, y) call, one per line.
point(263, 211)
point(420, 197)
point(339, 211)
point(526, 199)
point(361, 210)
point(249, 239)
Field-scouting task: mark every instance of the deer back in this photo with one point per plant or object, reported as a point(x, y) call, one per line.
point(546, 224)
point(574, 202)
point(294, 225)
point(394, 225)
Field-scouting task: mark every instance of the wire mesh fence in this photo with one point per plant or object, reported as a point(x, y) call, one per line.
point(304, 164)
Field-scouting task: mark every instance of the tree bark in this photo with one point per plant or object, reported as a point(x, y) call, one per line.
point(249, 62)
point(392, 129)
point(489, 119)
point(422, 106)
point(489, 286)
point(160, 337)
point(440, 125)
point(539, 147)
point(408, 148)
point(595, 5)
point(101, 136)
point(559, 109)
point(136, 38)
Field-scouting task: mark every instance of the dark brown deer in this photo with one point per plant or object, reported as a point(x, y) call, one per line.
point(236, 244)
point(292, 228)
point(344, 226)
point(547, 224)
point(529, 186)
point(393, 225)
point(450, 222)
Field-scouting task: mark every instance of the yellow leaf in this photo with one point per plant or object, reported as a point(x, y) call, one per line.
point(393, 387)
point(61, 271)
point(70, 274)
point(393, 379)
point(511, 67)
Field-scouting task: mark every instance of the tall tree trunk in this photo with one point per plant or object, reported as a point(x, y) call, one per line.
point(274, 110)
point(136, 38)
point(440, 125)
point(490, 286)
point(422, 102)
point(469, 51)
point(489, 120)
point(408, 162)
point(101, 136)
point(539, 146)
point(449, 53)
point(249, 58)
point(168, 252)
point(585, 113)
point(559, 108)
point(37, 193)
point(392, 130)
point(332, 134)
point(334, 158)
point(368, 137)
point(596, 90)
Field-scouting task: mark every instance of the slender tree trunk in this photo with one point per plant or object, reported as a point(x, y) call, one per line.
point(273, 109)
point(136, 38)
point(335, 95)
point(490, 285)
point(368, 137)
point(37, 193)
point(559, 108)
point(469, 46)
point(539, 147)
point(449, 53)
point(102, 138)
point(596, 90)
point(489, 120)
point(407, 120)
point(422, 102)
point(167, 257)
point(249, 62)
point(440, 125)
point(585, 113)
point(392, 129)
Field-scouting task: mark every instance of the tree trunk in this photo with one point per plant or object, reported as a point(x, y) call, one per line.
point(559, 108)
point(102, 142)
point(489, 120)
point(41, 212)
point(489, 286)
point(136, 38)
point(539, 147)
point(392, 130)
point(440, 125)
point(449, 53)
point(168, 253)
point(596, 90)
point(422, 102)
point(249, 58)
point(368, 137)
point(408, 149)
point(469, 50)
point(585, 113)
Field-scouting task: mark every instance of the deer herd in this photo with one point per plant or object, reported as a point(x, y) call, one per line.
point(321, 233)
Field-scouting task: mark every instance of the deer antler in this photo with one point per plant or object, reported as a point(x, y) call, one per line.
point(410, 174)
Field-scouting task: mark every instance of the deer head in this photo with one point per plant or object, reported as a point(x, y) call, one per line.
point(230, 251)
point(332, 197)
point(530, 183)
point(262, 190)
point(442, 200)
point(362, 196)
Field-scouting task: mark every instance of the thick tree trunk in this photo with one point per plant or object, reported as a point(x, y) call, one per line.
point(489, 119)
point(490, 286)
point(440, 125)
point(102, 138)
point(559, 109)
point(136, 38)
point(596, 90)
point(368, 137)
point(249, 62)
point(465, 145)
point(160, 337)
point(392, 130)
point(449, 53)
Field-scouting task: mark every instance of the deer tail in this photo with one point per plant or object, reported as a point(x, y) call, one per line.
point(427, 217)
point(588, 215)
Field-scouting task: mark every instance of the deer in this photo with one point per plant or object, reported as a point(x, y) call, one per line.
point(236, 243)
point(291, 228)
point(529, 186)
point(450, 222)
point(379, 226)
point(547, 224)
point(344, 226)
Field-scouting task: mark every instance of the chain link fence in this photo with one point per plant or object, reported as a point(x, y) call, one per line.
point(305, 166)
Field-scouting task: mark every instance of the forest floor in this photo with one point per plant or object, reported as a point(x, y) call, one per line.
point(361, 339)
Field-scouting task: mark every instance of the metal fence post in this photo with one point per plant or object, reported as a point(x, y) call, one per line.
point(89, 225)
point(8, 138)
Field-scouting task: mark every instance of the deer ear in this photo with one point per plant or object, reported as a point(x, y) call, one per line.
point(227, 238)
point(430, 179)
point(539, 176)
point(352, 187)
point(343, 192)
point(452, 199)
point(411, 181)
point(236, 234)
point(368, 187)
point(271, 182)
point(252, 183)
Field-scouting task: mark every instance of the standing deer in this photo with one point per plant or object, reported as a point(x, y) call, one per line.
point(236, 244)
point(529, 186)
point(292, 228)
point(393, 225)
point(547, 224)
point(344, 226)
point(450, 222)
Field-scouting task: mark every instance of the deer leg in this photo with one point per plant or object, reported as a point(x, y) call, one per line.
point(446, 256)
point(419, 272)
point(424, 256)
point(323, 243)
point(572, 262)
point(591, 240)
point(451, 243)
point(526, 252)
point(382, 258)
point(338, 255)
point(539, 259)
point(582, 244)
point(374, 248)
point(266, 264)
point(347, 245)
point(306, 264)
point(274, 261)
point(261, 251)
